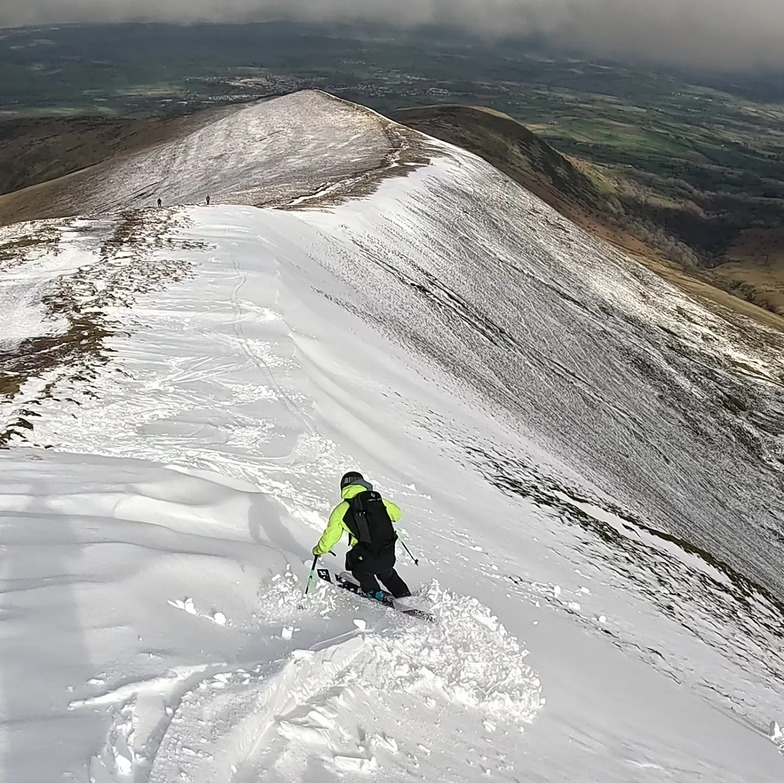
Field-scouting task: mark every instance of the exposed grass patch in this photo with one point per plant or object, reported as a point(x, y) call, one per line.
point(14, 249)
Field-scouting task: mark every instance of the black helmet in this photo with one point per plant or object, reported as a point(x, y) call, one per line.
point(350, 478)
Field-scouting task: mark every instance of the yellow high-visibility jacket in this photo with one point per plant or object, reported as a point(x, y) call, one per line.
point(336, 526)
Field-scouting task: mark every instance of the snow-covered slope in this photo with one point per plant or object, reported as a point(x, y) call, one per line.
point(151, 616)
point(540, 407)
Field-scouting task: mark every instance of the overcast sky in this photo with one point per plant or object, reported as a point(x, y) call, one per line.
point(722, 34)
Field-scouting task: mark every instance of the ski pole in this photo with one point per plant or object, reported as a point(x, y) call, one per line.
point(312, 571)
point(416, 562)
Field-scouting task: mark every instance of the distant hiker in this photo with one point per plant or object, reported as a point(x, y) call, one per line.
point(160, 202)
point(208, 200)
point(367, 518)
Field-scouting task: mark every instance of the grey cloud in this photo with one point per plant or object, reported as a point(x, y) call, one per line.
point(712, 33)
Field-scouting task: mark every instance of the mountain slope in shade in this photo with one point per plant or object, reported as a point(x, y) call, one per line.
point(33, 151)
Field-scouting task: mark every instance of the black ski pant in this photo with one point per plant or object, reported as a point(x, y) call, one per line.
point(390, 579)
point(368, 569)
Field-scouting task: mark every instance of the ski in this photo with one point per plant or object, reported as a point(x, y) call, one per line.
point(338, 580)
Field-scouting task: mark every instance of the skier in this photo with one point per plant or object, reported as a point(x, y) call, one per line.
point(208, 200)
point(367, 518)
point(160, 202)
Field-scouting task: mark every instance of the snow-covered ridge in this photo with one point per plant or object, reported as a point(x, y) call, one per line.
point(527, 396)
point(300, 149)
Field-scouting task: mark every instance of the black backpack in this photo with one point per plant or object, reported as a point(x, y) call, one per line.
point(368, 521)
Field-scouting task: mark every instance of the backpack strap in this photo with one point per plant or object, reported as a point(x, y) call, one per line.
point(355, 520)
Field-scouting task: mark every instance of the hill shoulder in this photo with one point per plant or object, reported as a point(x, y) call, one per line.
point(638, 222)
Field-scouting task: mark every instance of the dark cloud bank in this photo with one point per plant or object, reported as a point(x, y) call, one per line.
point(719, 34)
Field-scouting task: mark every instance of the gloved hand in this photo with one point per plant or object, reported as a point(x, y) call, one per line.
point(315, 551)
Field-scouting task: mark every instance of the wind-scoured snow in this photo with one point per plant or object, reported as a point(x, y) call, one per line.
point(587, 462)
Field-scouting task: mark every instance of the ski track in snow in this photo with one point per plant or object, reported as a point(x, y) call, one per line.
point(332, 708)
point(167, 574)
point(336, 708)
